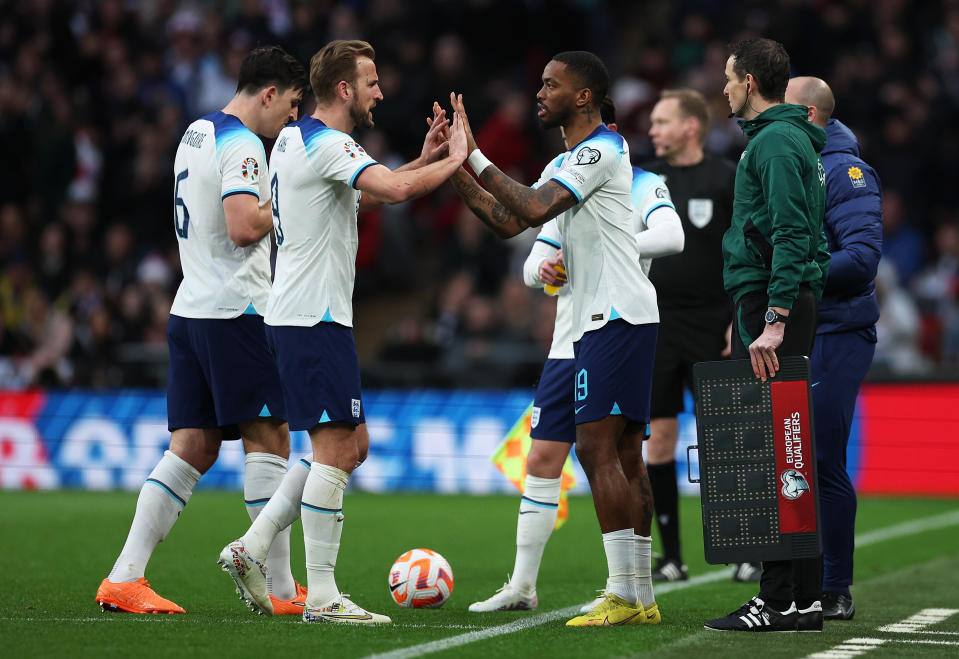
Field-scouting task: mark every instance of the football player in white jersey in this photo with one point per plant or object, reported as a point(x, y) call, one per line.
point(553, 431)
point(320, 179)
point(222, 382)
point(614, 310)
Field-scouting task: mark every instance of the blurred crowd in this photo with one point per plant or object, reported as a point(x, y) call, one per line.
point(94, 96)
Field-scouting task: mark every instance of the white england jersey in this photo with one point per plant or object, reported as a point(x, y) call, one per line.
point(314, 214)
point(599, 249)
point(218, 157)
point(648, 192)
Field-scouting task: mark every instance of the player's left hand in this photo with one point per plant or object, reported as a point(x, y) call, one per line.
point(460, 109)
point(436, 142)
point(762, 351)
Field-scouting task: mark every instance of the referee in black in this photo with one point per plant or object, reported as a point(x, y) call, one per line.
point(694, 308)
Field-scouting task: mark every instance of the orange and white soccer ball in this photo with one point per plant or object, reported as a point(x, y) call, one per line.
point(421, 579)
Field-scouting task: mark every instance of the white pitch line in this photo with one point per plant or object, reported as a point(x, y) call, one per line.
point(919, 621)
point(943, 520)
point(872, 537)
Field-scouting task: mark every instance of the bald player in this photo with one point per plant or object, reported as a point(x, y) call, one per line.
point(845, 332)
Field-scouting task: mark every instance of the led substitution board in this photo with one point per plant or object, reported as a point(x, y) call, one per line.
point(757, 462)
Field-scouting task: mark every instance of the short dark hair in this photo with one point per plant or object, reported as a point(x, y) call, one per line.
point(271, 65)
point(589, 70)
point(607, 111)
point(691, 104)
point(334, 62)
point(767, 61)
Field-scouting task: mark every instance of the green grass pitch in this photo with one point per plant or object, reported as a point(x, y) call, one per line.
point(57, 546)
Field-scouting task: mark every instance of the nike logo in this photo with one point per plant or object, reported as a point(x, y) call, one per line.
point(814, 384)
point(579, 408)
point(393, 588)
point(527, 512)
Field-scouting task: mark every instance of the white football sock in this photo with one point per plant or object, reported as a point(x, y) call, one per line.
point(621, 559)
point(162, 497)
point(322, 515)
point(279, 513)
point(537, 516)
point(644, 568)
point(263, 475)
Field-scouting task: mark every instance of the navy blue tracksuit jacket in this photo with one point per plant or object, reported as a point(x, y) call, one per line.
point(845, 337)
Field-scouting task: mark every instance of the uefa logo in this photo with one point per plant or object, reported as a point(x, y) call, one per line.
point(794, 484)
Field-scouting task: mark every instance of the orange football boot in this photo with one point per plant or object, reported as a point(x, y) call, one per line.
point(293, 607)
point(133, 597)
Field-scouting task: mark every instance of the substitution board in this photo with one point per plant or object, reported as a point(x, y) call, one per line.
point(757, 462)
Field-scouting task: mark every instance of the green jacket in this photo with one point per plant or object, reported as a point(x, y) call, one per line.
point(776, 241)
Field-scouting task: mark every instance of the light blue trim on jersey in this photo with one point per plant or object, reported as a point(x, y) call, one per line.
point(228, 129)
point(265, 411)
point(613, 314)
point(571, 189)
point(306, 463)
point(548, 241)
point(615, 410)
point(662, 204)
point(559, 161)
point(230, 193)
point(357, 173)
point(327, 318)
point(602, 133)
point(250, 310)
point(325, 418)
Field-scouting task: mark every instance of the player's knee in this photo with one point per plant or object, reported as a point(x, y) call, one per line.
point(362, 445)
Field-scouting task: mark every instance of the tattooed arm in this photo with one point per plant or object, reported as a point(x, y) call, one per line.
point(512, 207)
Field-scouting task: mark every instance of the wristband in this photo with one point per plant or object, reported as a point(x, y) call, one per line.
point(478, 161)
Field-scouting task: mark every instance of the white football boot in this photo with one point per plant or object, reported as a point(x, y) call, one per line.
point(249, 574)
point(507, 598)
point(343, 610)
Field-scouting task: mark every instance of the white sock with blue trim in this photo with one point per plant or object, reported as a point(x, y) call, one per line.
point(644, 568)
point(322, 514)
point(537, 517)
point(621, 559)
point(162, 497)
point(262, 477)
point(279, 513)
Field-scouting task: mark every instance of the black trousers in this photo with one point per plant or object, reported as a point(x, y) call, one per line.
point(782, 581)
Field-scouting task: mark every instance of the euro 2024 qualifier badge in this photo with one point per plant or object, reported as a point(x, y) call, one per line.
point(250, 169)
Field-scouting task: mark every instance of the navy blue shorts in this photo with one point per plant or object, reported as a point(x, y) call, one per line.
point(614, 372)
point(553, 406)
point(221, 373)
point(320, 373)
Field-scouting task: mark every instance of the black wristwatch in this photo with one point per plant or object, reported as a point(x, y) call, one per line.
point(773, 316)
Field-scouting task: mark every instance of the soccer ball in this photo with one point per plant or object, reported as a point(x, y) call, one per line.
point(420, 579)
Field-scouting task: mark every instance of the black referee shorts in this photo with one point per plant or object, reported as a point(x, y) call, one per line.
point(685, 337)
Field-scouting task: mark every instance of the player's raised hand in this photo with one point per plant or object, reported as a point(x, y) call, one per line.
point(458, 139)
point(460, 109)
point(437, 137)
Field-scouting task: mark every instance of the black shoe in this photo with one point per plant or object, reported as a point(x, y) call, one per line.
point(810, 619)
point(755, 616)
point(747, 572)
point(670, 570)
point(836, 606)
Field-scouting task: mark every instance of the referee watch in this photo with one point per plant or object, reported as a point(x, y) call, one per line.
point(773, 316)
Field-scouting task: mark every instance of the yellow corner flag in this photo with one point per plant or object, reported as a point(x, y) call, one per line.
point(510, 458)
